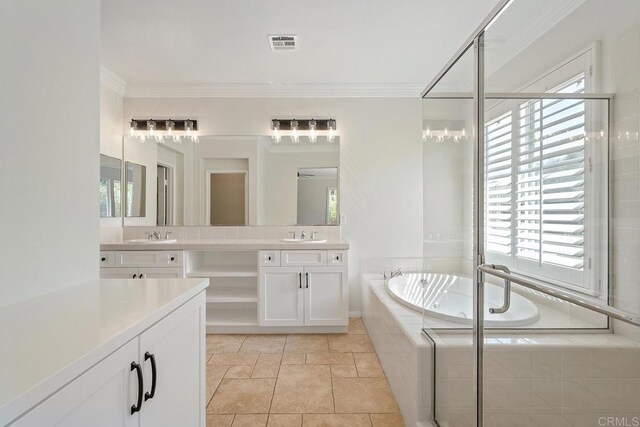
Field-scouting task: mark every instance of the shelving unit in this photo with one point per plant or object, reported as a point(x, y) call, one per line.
point(232, 296)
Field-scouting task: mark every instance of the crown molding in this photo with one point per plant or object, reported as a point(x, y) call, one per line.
point(273, 90)
point(111, 80)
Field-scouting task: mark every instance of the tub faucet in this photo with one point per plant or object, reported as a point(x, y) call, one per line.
point(396, 273)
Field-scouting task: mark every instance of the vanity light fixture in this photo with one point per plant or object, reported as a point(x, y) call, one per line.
point(295, 137)
point(164, 130)
point(275, 131)
point(313, 137)
point(313, 129)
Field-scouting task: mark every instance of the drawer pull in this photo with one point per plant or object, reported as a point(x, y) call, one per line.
point(154, 375)
point(136, 408)
point(141, 276)
point(172, 259)
point(135, 275)
point(103, 259)
point(307, 279)
point(269, 258)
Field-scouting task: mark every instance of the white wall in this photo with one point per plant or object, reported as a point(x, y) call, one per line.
point(380, 160)
point(49, 163)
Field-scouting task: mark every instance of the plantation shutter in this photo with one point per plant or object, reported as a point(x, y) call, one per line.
point(550, 179)
point(498, 173)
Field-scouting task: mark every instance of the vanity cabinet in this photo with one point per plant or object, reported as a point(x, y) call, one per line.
point(311, 293)
point(142, 264)
point(161, 370)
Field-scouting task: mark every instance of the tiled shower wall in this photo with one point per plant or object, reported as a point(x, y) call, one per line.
point(625, 168)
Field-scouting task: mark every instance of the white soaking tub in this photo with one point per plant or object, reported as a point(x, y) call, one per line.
point(450, 297)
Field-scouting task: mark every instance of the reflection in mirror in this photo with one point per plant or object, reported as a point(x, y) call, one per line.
point(317, 196)
point(229, 180)
point(110, 191)
point(136, 189)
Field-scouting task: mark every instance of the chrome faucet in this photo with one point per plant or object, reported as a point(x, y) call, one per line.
point(396, 273)
point(153, 235)
point(313, 234)
point(303, 235)
point(292, 234)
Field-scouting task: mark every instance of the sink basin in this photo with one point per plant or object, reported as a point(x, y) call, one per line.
point(147, 241)
point(305, 240)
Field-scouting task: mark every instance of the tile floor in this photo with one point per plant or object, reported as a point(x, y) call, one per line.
point(298, 380)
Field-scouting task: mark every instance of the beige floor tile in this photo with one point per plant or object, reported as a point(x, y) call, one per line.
point(219, 420)
point(346, 343)
point(267, 366)
point(344, 371)
point(253, 420)
point(239, 371)
point(387, 420)
point(224, 343)
point(356, 327)
point(263, 344)
point(303, 389)
point(335, 420)
point(306, 344)
point(285, 420)
point(214, 376)
point(293, 358)
point(330, 359)
point(363, 395)
point(242, 396)
point(233, 359)
point(368, 365)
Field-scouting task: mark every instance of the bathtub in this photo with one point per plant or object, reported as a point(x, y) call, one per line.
point(450, 297)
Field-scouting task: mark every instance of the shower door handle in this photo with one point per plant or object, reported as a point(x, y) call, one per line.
point(507, 290)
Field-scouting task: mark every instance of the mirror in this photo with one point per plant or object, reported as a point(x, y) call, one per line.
point(110, 191)
point(136, 177)
point(232, 180)
point(317, 196)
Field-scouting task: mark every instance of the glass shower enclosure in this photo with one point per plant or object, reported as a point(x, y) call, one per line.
point(530, 282)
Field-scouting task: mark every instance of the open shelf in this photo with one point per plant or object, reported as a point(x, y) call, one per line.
point(236, 316)
point(222, 264)
point(232, 294)
point(224, 271)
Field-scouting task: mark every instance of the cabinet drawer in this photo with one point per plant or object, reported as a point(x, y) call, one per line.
point(269, 258)
point(303, 258)
point(149, 258)
point(107, 259)
point(336, 257)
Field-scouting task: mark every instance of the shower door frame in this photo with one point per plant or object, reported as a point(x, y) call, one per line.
point(476, 42)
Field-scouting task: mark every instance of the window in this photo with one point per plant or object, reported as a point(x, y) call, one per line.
point(535, 187)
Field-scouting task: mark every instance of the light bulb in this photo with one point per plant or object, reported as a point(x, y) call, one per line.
point(275, 131)
point(312, 131)
point(171, 125)
point(190, 131)
point(331, 124)
point(294, 132)
point(151, 130)
point(133, 126)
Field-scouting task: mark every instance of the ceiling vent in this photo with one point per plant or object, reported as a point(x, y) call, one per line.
point(283, 42)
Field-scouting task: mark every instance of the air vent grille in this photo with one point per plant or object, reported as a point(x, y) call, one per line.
point(283, 42)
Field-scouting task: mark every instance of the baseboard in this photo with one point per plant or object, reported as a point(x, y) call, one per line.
point(355, 314)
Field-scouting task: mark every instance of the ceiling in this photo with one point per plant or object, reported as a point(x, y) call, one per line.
point(189, 47)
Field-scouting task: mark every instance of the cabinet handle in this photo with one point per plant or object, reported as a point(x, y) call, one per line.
point(154, 375)
point(306, 277)
point(141, 276)
point(300, 279)
point(136, 408)
point(135, 275)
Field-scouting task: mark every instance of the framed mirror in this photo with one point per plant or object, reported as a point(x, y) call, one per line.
point(110, 187)
point(232, 180)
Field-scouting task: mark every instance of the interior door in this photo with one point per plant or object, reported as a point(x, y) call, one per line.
point(101, 397)
point(281, 295)
point(175, 346)
point(326, 293)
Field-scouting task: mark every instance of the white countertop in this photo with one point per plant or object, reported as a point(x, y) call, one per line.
point(229, 244)
point(47, 341)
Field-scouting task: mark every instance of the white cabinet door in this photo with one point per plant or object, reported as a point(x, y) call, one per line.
point(326, 296)
point(161, 273)
point(280, 297)
point(118, 273)
point(176, 345)
point(101, 397)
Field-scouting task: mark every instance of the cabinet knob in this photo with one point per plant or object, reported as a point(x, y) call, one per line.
point(172, 259)
point(103, 259)
point(269, 258)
